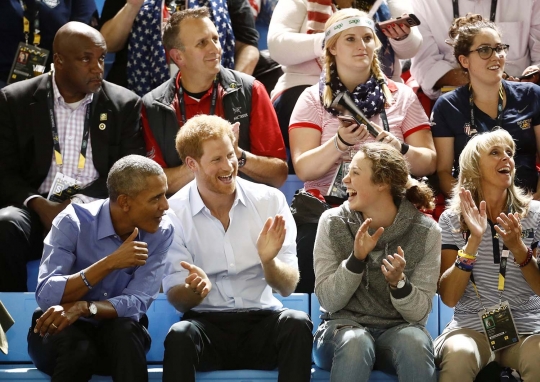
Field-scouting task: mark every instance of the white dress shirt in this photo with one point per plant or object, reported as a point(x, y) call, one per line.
point(229, 258)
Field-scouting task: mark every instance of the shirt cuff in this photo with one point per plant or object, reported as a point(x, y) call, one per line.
point(30, 198)
point(402, 292)
point(354, 265)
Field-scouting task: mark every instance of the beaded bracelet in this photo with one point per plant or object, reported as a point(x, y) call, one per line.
point(337, 146)
point(527, 259)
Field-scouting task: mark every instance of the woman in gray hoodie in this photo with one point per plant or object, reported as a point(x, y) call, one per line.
point(377, 260)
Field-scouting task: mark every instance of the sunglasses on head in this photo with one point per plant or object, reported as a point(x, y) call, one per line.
point(486, 51)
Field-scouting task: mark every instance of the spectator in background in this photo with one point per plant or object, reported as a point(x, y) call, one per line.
point(295, 40)
point(435, 66)
point(92, 124)
point(377, 261)
point(102, 267)
point(203, 86)
point(489, 216)
point(51, 15)
point(321, 143)
point(486, 102)
point(134, 31)
point(234, 244)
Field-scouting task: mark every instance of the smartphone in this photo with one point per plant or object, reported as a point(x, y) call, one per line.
point(410, 20)
point(348, 120)
point(528, 75)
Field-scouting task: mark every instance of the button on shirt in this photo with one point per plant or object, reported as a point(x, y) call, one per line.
point(229, 258)
point(83, 234)
point(70, 133)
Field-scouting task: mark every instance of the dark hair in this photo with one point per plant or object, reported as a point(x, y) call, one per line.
point(389, 167)
point(464, 30)
point(129, 174)
point(171, 29)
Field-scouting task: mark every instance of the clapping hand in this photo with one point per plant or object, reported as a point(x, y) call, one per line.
point(271, 238)
point(475, 217)
point(364, 242)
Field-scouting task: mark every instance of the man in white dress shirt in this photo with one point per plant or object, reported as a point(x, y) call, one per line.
point(234, 244)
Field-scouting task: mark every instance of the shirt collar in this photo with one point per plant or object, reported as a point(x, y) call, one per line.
point(105, 226)
point(58, 99)
point(197, 204)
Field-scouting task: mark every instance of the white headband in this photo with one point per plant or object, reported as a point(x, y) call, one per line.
point(350, 22)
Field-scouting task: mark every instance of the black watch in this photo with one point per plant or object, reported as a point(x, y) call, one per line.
point(242, 159)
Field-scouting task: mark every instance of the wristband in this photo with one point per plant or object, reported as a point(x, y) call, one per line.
point(83, 277)
point(463, 267)
point(342, 141)
point(404, 148)
point(461, 253)
point(527, 259)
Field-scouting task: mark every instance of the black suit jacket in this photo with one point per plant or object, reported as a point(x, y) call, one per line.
point(26, 145)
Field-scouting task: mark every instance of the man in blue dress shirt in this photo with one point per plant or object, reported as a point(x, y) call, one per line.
point(234, 243)
point(102, 266)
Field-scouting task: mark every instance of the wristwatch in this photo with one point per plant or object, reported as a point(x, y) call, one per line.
point(242, 159)
point(92, 308)
point(401, 283)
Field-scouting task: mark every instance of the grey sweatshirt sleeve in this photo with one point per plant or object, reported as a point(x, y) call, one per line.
point(416, 306)
point(334, 282)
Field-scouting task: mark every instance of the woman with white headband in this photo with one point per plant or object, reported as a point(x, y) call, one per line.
point(322, 143)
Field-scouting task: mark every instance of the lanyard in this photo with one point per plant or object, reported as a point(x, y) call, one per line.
point(26, 23)
point(492, 13)
point(499, 108)
point(385, 120)
point(497, 258)
point(183, 106)
point(54, 128)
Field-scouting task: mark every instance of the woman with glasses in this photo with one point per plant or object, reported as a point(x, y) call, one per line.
point(489, 267)
point(485, 103)
point(376, 267)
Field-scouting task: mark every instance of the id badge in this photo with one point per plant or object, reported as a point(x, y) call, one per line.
point(337, 188)
point(499, 326)
point(29, 62)
point(63, 188)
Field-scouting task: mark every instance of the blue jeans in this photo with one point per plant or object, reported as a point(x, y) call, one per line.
point(350, 351)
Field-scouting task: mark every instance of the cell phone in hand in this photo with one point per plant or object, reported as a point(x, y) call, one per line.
point(409, 19)
point(527, 76)
point(348, 120)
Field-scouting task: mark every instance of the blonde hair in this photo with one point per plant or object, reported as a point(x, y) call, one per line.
point(196, 131)
point(470, 178)
point(329, 58)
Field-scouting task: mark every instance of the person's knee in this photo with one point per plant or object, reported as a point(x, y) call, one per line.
point(295, 323)
point(124, 330)
point(355, 344)
point(413, 341)
point(460, 354)
point(9, 226)
point(529, 367)
point(182, 337)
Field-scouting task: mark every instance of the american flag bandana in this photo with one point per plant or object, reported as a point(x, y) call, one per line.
point(147, 63)
point(219, 14)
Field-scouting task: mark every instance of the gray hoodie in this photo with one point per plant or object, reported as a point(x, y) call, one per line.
point(356, 290)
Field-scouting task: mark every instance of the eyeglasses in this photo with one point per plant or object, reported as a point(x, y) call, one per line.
point(486, 51)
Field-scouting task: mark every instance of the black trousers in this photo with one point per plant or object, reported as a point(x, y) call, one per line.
point(21, 240)
point(114, 347)
point(305, 242)
point(258, 340)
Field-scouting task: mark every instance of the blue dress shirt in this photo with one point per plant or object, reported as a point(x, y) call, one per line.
point(81, 235)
